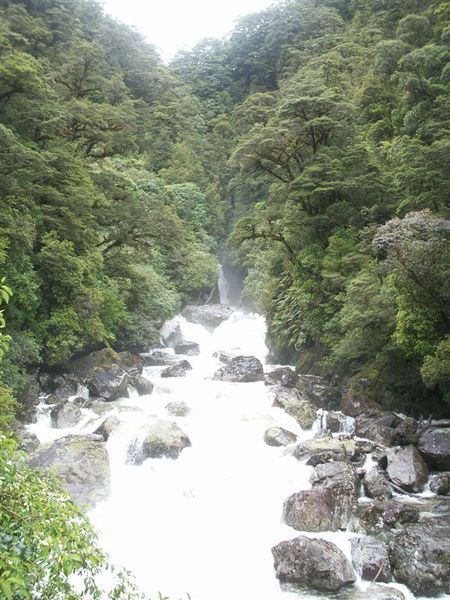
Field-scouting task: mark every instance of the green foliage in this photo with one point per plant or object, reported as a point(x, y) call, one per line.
point(47, 546)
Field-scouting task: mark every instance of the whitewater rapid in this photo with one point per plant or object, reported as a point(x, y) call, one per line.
point(202, 525)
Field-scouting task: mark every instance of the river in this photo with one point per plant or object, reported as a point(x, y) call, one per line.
point(203, 524)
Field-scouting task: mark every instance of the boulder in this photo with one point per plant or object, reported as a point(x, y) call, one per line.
point(298, 407)
point(406, 431)
point(177, 370)
point(434, 446)
point(356, 400)
point(407, 469)
point(371, 559)
point(277, 436)
point(224, 357)
point(106, 373)
point(143, 386)
point(329, 505)
point(317, 391)
point(440, 483)
point(171, 333)
point(284, 376)
point(189, 348)
point(109, 425)
point(378, 592)
point(29, 399)
point(28, 442)
point(312, 563)
point(326, 448)
point(241, 369)
point(377, 428)
point(376, 485)
point(67, 414)
point(161, 439)
point(158, 358)
point(420, 558)
point(178, 409)
point(384, 514)
point(208, 315)
point(81, 464)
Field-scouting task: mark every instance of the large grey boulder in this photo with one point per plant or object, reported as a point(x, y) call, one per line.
point(161, 439)
point(376, 485)
point(377, 592)
point(189, 348)
point(387, 514)
point(331, 502)
point(108, 426)
point(298, 407)
point(208, 315)
point(313, 563)
point(107, 373)
point(379, 428)
point(171, 333)
point(371, 559)
point(81, 464)
point(177, 370)
point(67, 414)
point(407, 469)
point(284, 376)
point(420, 559)
point(327, 448)
point(143, 386)
point(313, 510)
point(277, 436)
point(178, 409)
point(434, 446)
point(159, 358)
point(317, 391)
point(241, 369)
point(440, 483)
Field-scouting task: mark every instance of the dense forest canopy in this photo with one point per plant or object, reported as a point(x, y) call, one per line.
point(310, 149)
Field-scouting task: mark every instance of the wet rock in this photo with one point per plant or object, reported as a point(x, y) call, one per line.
point(158, 358)
point(313, 563)
point(29, 399)
point(241, 369)
point(387, 514)
point(376, 429)
point(406, 431)
point(371, 559)
point(208, 315)
point(178, 409)
point(189, 348)
point(277, 436)
point(143, 386)
point(284, 376)
point(177, 370)
point(326, 448)
point(109, 425)
point(161, 439)
point(81, 464)
point(171, 333)
point(357, 401)
point(290, 400)
point(329, 505)
point(67, 414)
point(317, 391)
point(28, 442)
point(376, 486)
point(378, 592)
point(420, 558)
point(106, 373)
point(407, 469)
point(224, 357)
point(440, 483)
point(434, 446)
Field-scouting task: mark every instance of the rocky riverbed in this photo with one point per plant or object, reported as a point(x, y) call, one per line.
point(362, 494)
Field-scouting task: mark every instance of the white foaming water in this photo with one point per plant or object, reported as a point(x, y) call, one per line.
point(203, 524)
